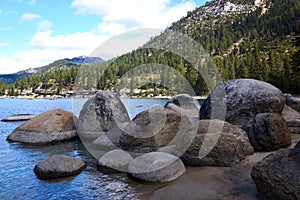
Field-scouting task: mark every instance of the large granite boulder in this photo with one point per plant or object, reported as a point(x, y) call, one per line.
point(292, 102)
point(278, 175)
point(244, 99)
point(49, 127)
point(156, 167)
point(100, 114)
point(58, 166)
point(267, 132)
point(292, 119)
point(217, 143)
point(184, 104)
point(114, 161)
point(152, 129)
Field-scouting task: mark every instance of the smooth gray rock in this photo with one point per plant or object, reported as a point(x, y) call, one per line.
point(292, 102)
point(100, 114)
point(114, 161)
point(156, 167)
point(152, 129)
point(18, 117)
point(184, 104)
point(224, 144)
point(278, 175)
point(58, 166)
point(244, 99)
point(49, 127)
point(292, 119)
point(267, 132)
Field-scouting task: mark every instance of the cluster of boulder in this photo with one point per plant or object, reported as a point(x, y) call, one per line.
point(238, 118)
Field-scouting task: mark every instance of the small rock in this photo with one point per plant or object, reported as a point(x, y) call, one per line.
point(217, 143)
point(244, 99)
point(292, 102)
point(49, 127)
point(100, 114)
point(267, 132)
point(114, 161)
point(292, 119)
point(18, 117)
point(58, 166)
point(184, 104)
point(156, 167)
point(278, 175)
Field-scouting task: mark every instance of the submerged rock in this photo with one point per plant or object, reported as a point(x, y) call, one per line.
point(156, 167)
point(267, 132)
point(244, 99)
point(49, 127)
point(58, 166)
point(100, 114)
point(217, 143)
point(18, 117)
point(278, 175)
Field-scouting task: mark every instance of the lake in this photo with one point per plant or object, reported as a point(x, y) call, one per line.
point(17, 179)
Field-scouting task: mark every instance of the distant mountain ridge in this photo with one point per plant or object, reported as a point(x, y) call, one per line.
point(63, 63)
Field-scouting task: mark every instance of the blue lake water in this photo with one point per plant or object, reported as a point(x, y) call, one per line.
point(17, 179)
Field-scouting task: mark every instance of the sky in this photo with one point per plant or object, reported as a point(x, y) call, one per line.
point(34, 33)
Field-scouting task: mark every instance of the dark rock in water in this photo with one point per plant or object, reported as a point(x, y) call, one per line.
point(58, 166)
point(217, 143)
point(156, 167)
point(292, 102)
point(184, 104)
point(152, 129)
point(297, 145)
point(267, 132)
point(292, 119)
point(244, 99)
point(100, 114)
point(18, 117)
point(49, 127)
point(278, 175)
point(114, 161)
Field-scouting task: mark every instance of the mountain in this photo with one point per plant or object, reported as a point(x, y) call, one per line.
point(84, 60)
point(63, 63)
point(245, 39)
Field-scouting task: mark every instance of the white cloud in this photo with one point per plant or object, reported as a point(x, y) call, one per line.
point(32, 2)
point(29, 17)
point(3, 44)
point(1, 11)
point(135, 13)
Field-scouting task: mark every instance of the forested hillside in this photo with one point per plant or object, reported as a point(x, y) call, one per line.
point(246, 39)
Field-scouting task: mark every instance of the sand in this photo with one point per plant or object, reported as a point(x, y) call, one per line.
point(208, 182)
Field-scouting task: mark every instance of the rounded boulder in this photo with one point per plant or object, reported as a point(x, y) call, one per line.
point(58, 166)
point(268, 132)
point(156, 167)
point(244, 98)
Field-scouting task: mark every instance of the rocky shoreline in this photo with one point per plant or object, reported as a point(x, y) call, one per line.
point(240, 123)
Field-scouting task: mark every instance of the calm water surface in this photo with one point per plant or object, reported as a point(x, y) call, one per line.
point(17, 179)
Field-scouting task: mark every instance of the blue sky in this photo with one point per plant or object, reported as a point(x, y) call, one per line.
point(34, 33)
